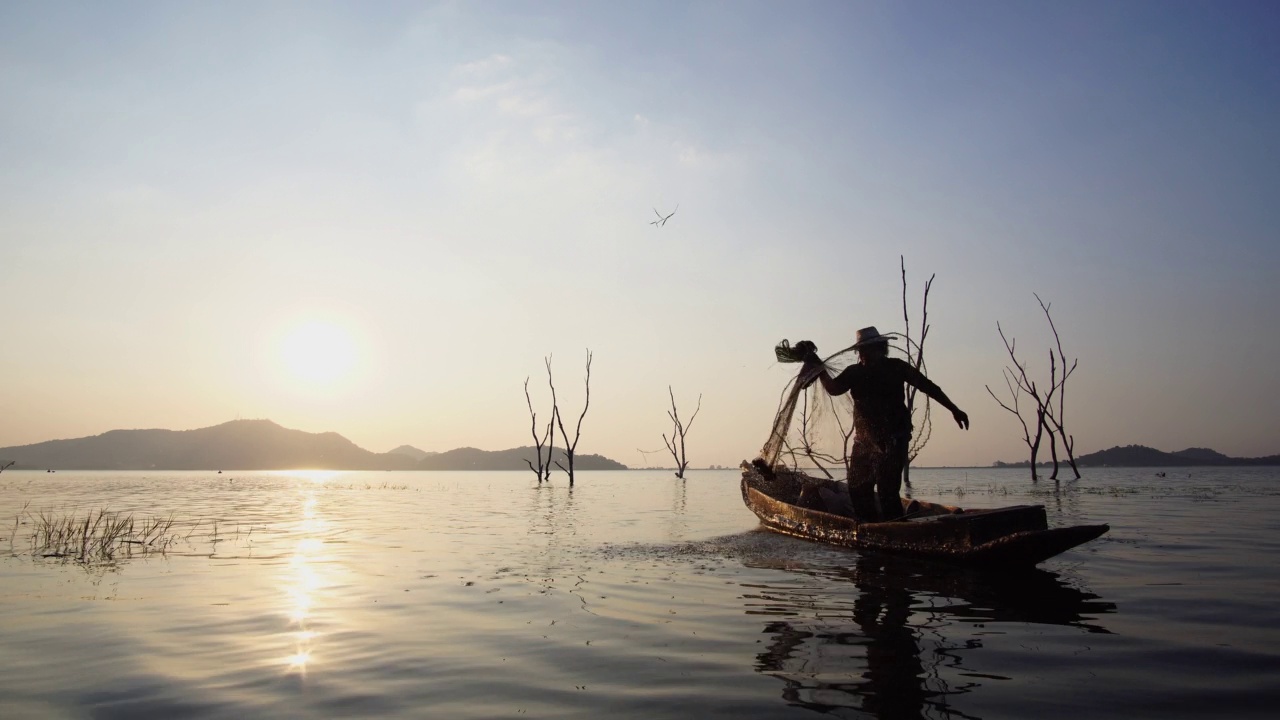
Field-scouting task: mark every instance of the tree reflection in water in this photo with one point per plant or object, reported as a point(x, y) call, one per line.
point(880, 651)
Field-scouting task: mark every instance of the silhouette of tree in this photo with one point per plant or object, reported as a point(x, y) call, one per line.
point(543, 469)
point(570, 447)
point(1047, 417)
point(1018, 383)
point(915, 356)
point(678, 431)
point(1056, 418)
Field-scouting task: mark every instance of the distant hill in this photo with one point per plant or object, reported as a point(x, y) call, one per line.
point(235, 445)
point(411, 451)
point(257, 445)
point(1204, 455)
point(468, 458)
point(1142, 456)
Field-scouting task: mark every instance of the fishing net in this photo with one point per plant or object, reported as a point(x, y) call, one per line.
point(813, 431)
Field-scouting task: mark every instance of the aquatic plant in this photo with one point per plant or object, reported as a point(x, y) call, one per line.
point(96, 537)
point(372, 486)
point(16, 521)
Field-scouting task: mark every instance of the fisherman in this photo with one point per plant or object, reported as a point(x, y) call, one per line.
point(881, 422)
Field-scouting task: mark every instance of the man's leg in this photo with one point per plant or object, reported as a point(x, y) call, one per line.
point(862, 482)
point(811, 499)
point(889, 479)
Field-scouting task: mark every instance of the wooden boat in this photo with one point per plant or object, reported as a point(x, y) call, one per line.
point(1000, 538)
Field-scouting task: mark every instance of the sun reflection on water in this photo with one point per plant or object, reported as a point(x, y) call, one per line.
point(298, 661)
point(303, 581)
point(318, 477)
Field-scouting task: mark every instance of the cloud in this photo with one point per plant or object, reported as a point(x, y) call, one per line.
point(674, 147)
point(480, 68)
point(468, 94)
point(689, 155)
point(520, 98)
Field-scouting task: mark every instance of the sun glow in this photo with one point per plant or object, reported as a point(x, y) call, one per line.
point(318, 353)
point(304, 583)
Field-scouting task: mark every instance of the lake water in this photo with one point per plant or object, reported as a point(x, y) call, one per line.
point(482, 595)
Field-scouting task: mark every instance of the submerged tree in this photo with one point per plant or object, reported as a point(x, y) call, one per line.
point(570, 447)
point(678, 431)
point(915, 356)
point(804, 446)
point(1045, 416)
point(645, 454)
point(1056, 418)
point(823, 434)
point(543, 469)
point(1018, 384)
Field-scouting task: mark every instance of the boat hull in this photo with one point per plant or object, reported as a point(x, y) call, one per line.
point(1011, 537)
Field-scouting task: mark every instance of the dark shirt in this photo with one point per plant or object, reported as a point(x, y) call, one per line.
point(879, 398)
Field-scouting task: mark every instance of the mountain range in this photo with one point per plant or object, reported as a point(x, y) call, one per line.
point(1143, 456)
point(264, 445)
point(260, 445)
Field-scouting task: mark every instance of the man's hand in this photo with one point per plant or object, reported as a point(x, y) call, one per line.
point(812, 362)
point(962, 418)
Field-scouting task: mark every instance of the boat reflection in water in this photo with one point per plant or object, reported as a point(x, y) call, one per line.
point(883, 650)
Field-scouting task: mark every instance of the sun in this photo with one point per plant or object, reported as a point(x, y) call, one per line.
point(318, 353)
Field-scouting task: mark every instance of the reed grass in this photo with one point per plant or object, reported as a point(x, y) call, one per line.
point(372, 486)
point(100, 536)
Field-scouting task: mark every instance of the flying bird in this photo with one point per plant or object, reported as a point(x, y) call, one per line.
point(662, 220)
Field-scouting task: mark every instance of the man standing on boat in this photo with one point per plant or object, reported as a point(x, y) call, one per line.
point(881, 422)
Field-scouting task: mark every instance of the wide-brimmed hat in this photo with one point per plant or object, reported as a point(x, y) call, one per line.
point(870, 336)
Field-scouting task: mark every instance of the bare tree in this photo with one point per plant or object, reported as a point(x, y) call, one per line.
point(679, 429)
point(551, 436)
point(1057, 417)
point(645, 454)
point(814, 404)
point(1015, 379)
point(543, 469)
point(7, 465)
point(816, 457)
point(915, 356)
point(1048, 417)
point(570, 447)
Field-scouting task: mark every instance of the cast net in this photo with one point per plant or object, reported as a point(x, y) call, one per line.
point(813, 431)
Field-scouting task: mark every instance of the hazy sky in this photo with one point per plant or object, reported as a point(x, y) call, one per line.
point(378, 218)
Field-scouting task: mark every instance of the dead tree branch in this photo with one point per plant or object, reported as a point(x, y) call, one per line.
point(915, 356)
point(1045, 411)
point(571, 447)
point(1017, 382)
point(816, 457)
point(678, 431)
point(543, 469)
point(1057, 418)
point(555, 412)
point(844, 423)
point(645, 454)
point(1050, 404)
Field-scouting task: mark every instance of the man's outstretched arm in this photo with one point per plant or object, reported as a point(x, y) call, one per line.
point(917, 380)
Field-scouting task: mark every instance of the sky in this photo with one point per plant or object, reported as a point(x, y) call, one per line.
point(378, 219)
